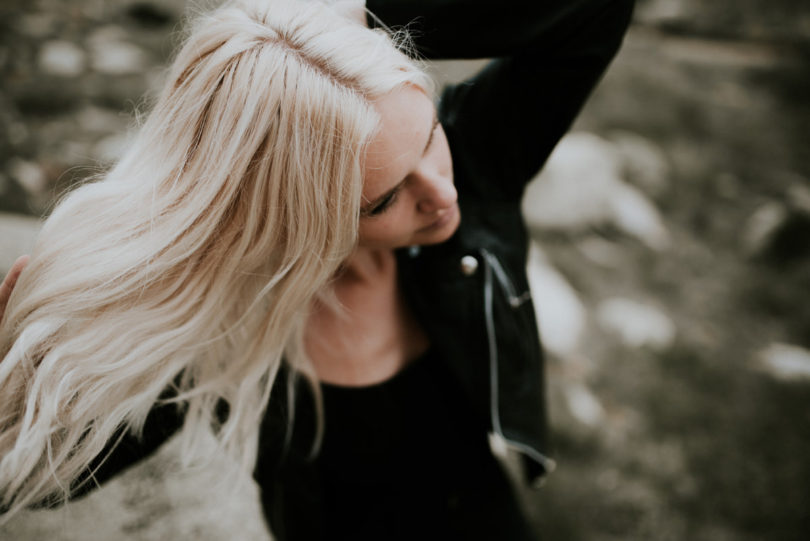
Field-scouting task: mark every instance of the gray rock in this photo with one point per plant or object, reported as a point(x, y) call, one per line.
point(156, 500)
point(779, 232)
point(637, 217)
point(29, 175)
point(799, 195)
point(62, 58)
point(583, 405)
point(601, 251)
point(636, 324)
point(761, 226)
point(111, 54)
point(581, 186)
point(644, 163)
point(559, 311)
point(571, 191)
point(785, 362)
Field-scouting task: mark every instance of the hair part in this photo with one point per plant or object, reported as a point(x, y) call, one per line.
point(191, 265)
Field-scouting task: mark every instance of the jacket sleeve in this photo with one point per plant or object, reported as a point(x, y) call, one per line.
point(549, 54)
point(125, 449)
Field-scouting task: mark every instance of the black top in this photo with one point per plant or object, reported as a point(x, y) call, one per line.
point(406, 459)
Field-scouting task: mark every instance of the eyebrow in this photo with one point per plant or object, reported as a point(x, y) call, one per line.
point(432, 131)
point(372, 204)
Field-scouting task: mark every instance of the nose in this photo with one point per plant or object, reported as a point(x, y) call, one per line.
point(436, 192)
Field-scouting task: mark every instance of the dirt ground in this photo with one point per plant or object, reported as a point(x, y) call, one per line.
point(702, 433)
point(696, 440)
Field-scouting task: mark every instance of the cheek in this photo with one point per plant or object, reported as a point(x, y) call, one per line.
point(391, 230)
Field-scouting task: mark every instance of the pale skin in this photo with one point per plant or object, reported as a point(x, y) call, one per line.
point(10, 280)
point(408, 169)
point(408, 199)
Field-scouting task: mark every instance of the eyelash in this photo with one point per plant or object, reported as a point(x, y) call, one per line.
point(388, 202)
point(385, 204)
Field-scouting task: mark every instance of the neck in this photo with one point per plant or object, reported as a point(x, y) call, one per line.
point(367, 264)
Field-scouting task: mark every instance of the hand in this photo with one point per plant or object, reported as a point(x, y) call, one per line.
point(10, 280)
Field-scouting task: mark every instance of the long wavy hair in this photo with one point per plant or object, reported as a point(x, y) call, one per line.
point(192, 263)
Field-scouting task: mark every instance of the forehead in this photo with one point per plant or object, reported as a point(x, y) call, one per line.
point(406, 118)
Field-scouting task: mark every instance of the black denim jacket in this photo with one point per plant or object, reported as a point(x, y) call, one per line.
point(471, 293)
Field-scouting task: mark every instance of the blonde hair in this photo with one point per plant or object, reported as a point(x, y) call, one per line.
point(192, 264)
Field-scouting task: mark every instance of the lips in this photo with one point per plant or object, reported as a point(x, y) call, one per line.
point(444, 219)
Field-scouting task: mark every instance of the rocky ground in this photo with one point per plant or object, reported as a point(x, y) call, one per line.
point(673, 289)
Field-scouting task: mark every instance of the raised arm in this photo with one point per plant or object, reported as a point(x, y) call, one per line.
point(549, 54)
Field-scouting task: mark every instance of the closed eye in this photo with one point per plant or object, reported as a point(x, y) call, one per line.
point(390, 198)
point(384, 204)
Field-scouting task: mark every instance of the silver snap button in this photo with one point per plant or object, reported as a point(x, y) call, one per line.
point(469, 265)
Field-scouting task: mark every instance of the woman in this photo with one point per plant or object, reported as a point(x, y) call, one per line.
point(295, 206)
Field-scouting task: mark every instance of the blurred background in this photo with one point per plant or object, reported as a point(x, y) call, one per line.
point(670, 264)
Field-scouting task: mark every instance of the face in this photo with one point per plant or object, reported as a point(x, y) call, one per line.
point(408, 192)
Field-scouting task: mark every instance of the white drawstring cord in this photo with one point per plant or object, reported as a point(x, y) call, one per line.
point(492, 265)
